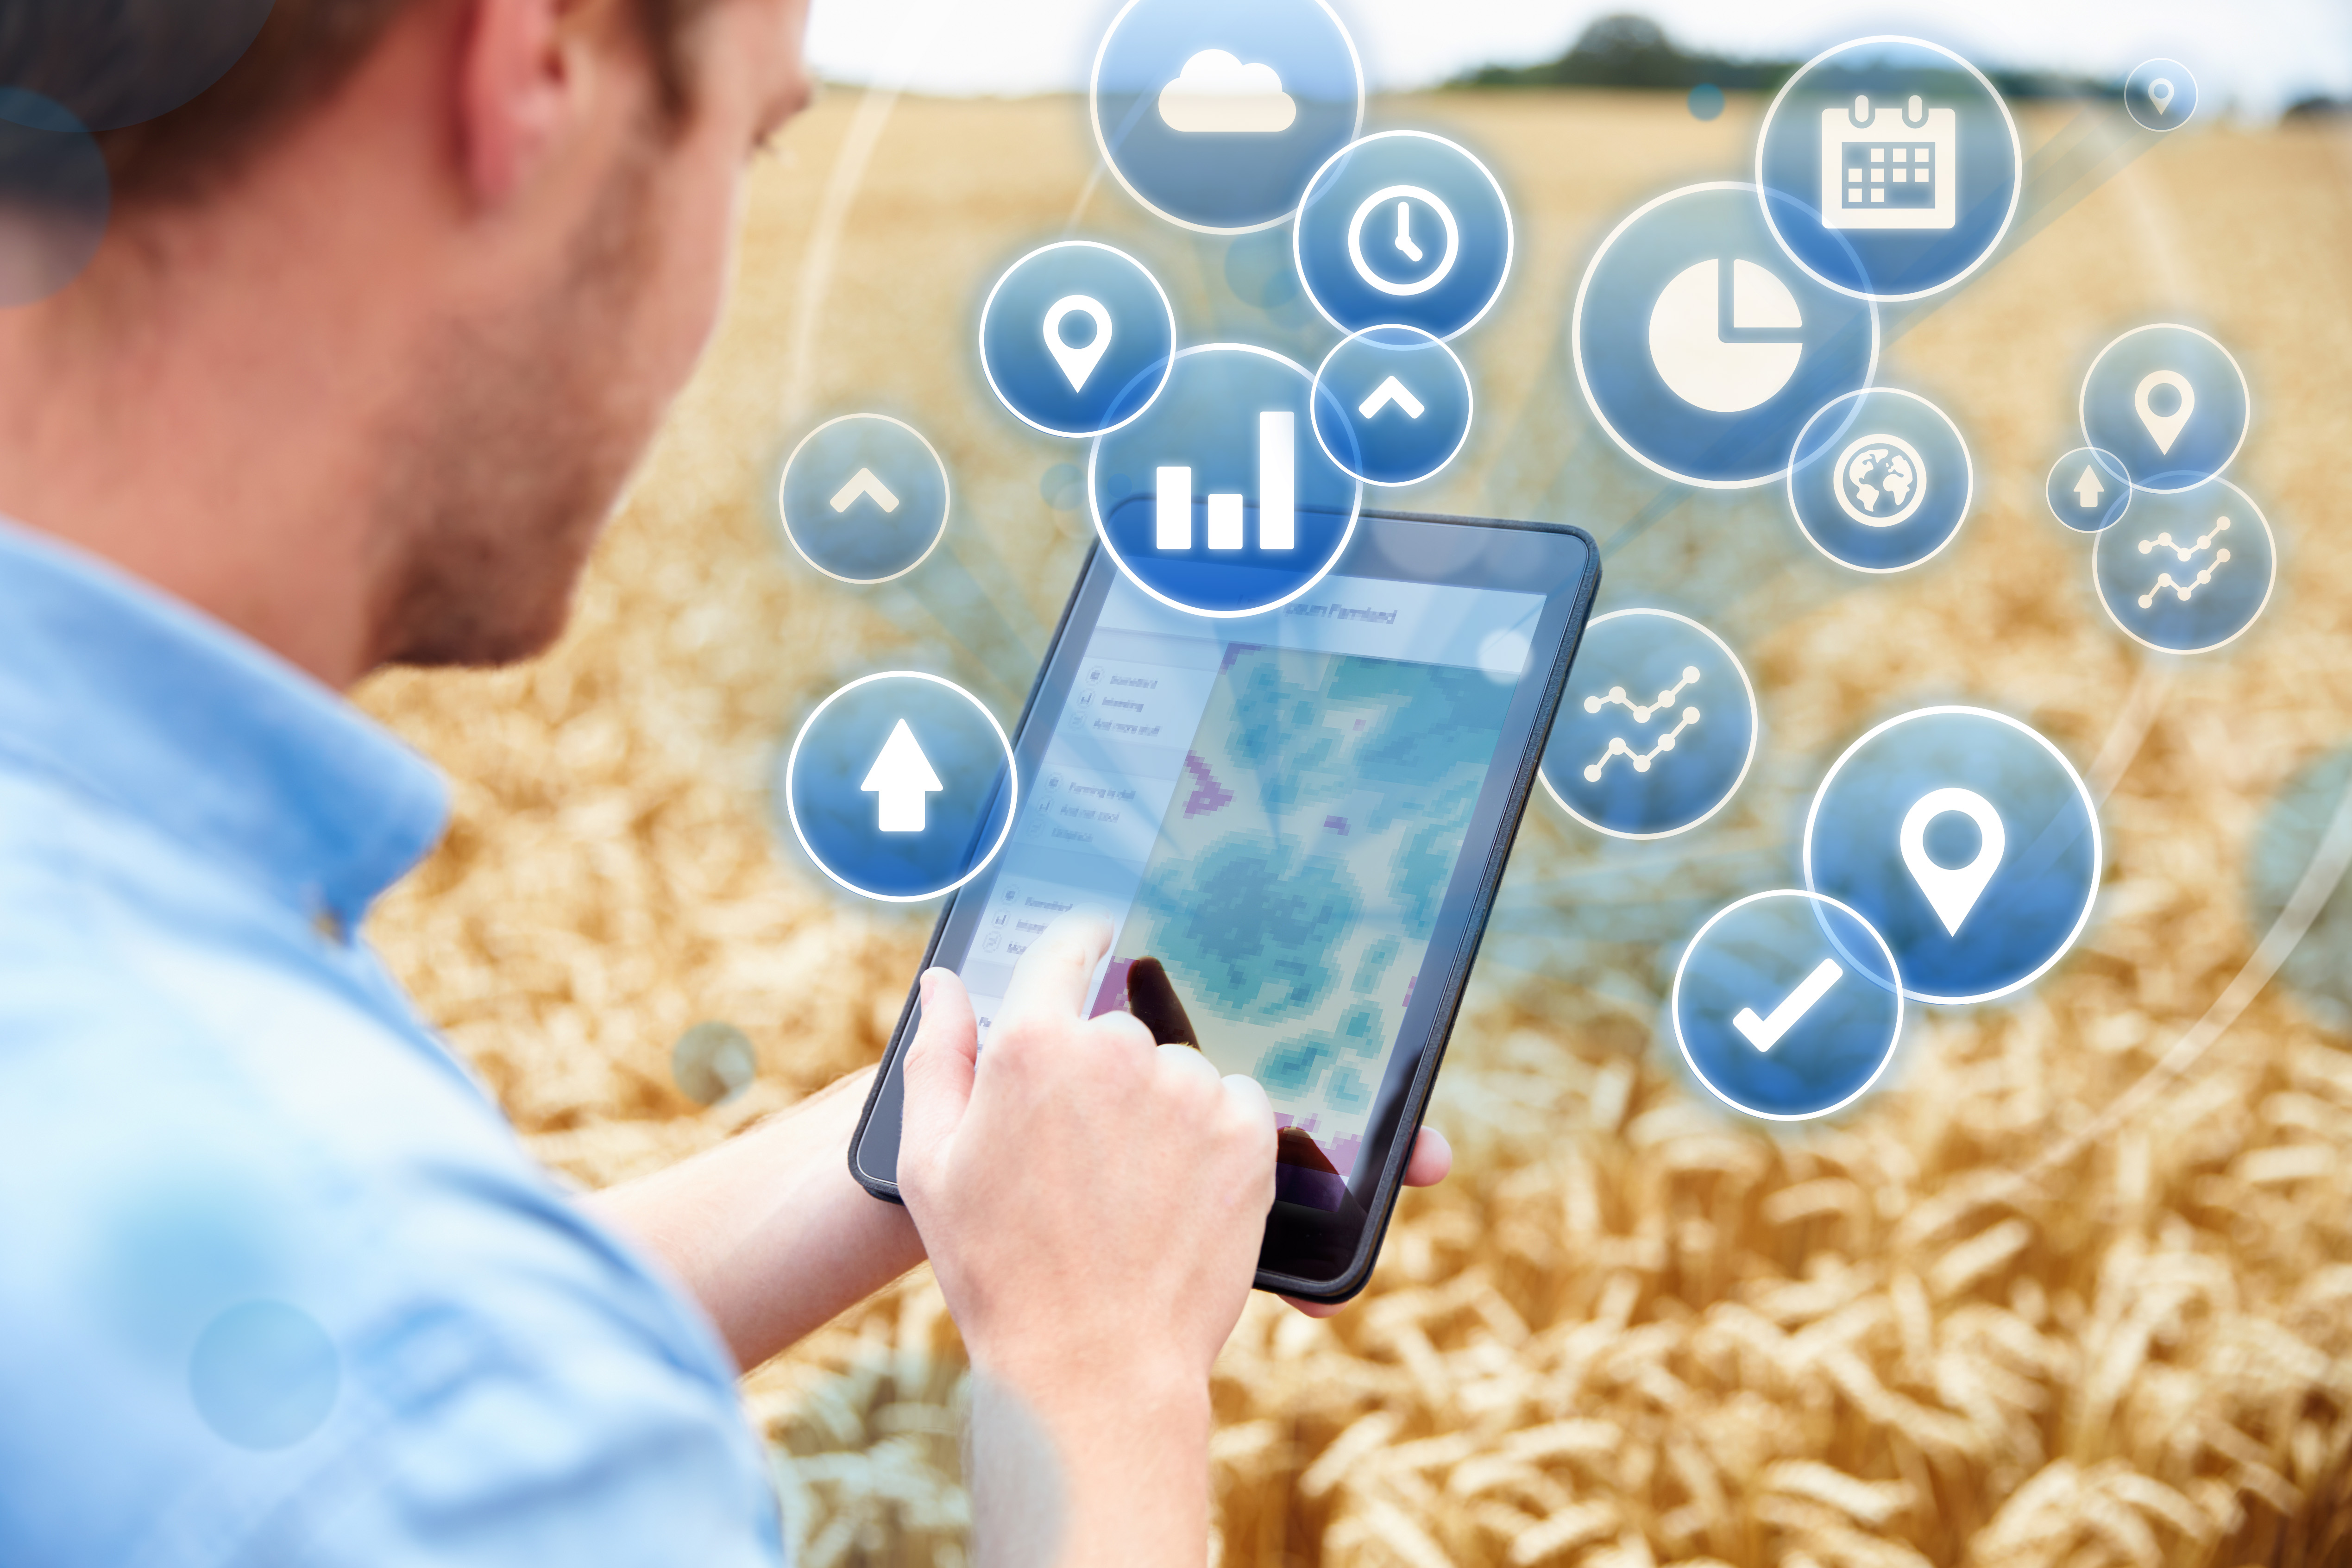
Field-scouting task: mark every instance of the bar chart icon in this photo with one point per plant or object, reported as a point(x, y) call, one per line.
point(1277, 495)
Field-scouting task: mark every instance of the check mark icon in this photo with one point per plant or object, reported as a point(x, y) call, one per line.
point(1765, 1033)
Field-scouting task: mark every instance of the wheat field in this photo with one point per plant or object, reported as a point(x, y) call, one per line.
point(2072, 1286)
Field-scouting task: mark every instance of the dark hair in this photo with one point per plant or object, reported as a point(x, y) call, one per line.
point(178, 89)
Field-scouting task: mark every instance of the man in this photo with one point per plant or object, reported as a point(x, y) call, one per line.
point(377, 330)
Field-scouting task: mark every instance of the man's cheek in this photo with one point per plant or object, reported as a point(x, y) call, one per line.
point(697, 270)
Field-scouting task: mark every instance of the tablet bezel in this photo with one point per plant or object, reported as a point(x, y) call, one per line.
point(1295, 1233)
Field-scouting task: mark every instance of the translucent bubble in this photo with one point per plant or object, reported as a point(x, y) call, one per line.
point(1707, 100)
point(1259, 271)
point(713, 1062)
point(176, 1255)
point(54, 197)
point(264, 1375)
point(864, 498)
point(2284, 846)
point(117, 65)
point(1064, 485)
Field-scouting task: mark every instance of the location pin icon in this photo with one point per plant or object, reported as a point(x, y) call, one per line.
point(2165, 428)
point(1076, 364)
point(2159, 92)
point(1952, 890)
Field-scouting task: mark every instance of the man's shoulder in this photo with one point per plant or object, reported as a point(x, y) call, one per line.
point(188, 1068)
point(140, 987)
point(167, 1029)
point(262, 1229)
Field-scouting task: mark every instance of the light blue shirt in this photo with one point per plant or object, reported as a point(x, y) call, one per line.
point(278, 1284)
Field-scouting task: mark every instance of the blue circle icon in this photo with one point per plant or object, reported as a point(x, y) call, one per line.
point(1967, 840)
point(1788, 1006)
point(1216, 113)
point(55, 186)
point(1881, 480)
point(2160, 94)
point(1657, 727)
point(2192, 572)
point(1897, 164)
point(1220, 500)
point(901, 787)
point(264, 1375)
point(1701, 350)
point(2287, 861)
point(107, 76)
point(1391, 406)
point(2088, 490)
point(2170, 401)
point(864, 498)
point(1076, 338)
point(1403, 227)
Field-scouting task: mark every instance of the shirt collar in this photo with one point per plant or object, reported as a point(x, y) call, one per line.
point(134, 697)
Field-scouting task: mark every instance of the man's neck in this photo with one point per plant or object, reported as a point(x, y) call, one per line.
point(202, 404)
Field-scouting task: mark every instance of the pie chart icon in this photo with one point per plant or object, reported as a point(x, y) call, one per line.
point(1701, 349)
point(1725, 344)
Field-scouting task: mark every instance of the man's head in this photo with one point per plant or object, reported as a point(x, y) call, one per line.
point(399, 301)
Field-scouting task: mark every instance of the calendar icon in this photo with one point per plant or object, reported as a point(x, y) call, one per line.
point(1889, 167)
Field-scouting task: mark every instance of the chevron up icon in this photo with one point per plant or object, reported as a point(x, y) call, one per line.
point(864, 483)
point(1388, 392)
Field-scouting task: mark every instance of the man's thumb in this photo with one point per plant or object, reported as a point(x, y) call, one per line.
point(939, 1062)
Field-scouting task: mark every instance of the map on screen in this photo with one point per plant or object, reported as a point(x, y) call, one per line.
point(1295, 882)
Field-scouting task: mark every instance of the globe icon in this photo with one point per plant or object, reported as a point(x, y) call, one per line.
point(1879, 479)
point(1882, 480)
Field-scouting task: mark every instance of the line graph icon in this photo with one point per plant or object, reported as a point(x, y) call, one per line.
point(1642, 715)
point(2184, 553)
point(2188, 552)
point(1641, 760)
point(2194, 573)
point(2182, 591)
point(1666, 695)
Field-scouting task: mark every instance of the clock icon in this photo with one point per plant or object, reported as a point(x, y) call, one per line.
point(1394, 235)
point(1402, 230)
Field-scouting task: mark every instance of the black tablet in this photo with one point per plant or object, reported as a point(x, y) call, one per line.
point(1302, 815)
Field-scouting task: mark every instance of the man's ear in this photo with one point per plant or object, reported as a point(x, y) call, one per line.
point(523, 70)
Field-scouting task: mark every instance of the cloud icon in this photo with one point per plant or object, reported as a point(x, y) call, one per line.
point(1215, 91)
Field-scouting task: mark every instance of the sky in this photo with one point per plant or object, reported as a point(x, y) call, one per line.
point(2252, 56)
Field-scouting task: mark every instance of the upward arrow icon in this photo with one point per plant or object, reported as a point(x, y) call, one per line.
point(1388, 392)
point(2087, 490)
point(864, 483)
point(902, 779)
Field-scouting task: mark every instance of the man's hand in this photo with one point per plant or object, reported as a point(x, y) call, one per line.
point(1431, 1162)
point(1153, 996)
point(1092, 1204)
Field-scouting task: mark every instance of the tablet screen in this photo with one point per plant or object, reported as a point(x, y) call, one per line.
point(1303, 815)
point(1275, 807)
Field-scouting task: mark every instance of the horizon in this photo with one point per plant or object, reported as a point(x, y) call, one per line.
point(2248, 67)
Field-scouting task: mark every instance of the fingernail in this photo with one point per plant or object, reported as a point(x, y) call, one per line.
point(923, 983)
